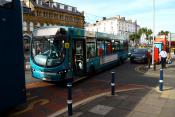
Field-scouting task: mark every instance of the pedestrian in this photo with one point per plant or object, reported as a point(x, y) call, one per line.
point(163, 57)
point(168, 60)
point(149, 58)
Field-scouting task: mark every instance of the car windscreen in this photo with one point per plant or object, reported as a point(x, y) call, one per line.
point(140, 51)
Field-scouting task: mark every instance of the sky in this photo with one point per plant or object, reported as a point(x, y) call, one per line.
point(140, 10)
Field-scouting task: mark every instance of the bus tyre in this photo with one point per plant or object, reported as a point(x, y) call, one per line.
point(92, 70)
point(120, 61)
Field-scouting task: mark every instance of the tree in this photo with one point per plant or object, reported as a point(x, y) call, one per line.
point(163, 33)
point(147, 32)
point(134, 37)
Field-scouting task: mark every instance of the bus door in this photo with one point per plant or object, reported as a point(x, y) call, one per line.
point(79, 57)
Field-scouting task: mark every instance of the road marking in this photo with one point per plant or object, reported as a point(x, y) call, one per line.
point(79, 79)
point(31, 106)
point(30, 98)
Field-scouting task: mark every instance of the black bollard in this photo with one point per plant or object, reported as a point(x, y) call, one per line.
point(113, 83)
point(69, 98)
point(161, 80)
point(154, 66)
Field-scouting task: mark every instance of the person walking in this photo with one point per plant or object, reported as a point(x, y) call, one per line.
point(163, 57)
point(168, 60)
point(149, 58)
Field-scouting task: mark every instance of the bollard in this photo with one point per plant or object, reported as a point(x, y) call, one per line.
point(69, 98)
point(154, 66)
point(161, 80)
point(113, 83)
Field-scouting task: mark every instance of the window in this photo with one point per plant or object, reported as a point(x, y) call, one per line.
point(31, 26)
point(91, 50)
point(115, 46)
point(100, 47)
point(38, 25)
point(108, 47)
point(48, 51)
point(24, 26)
point(6, 3)
point(44, 24)
point(61, 6)
point(69, 8)
point(62, 17)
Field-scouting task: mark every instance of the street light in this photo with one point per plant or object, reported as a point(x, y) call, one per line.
point(153, 32)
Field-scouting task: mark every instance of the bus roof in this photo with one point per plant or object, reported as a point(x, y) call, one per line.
point(47, 31)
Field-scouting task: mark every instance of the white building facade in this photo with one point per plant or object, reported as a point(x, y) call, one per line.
point(115, 25)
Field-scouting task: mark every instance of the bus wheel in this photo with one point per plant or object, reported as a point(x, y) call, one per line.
point(92, 70)
point(120, 61)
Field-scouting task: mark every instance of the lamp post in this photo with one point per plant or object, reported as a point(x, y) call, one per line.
point(153, 33)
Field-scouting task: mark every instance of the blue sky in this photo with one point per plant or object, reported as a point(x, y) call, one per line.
point(140, 10)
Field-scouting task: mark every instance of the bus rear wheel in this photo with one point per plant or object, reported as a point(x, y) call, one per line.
point(91, 70)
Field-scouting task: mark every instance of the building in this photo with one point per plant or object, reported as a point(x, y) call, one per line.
point(115, 25)
point(37, 13)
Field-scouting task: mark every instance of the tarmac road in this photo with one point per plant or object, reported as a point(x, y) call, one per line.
point(44, 98)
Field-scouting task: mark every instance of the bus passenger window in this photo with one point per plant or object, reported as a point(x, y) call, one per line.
point(100, 52)
point(100, 48)
point(115, 46)
point(91, 50)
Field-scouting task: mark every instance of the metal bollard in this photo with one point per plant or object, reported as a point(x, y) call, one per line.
point(161, 80)
point(154, 66)
point(69, 98)
point(113, 83)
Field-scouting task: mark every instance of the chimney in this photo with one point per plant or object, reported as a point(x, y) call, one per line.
point(104, 18)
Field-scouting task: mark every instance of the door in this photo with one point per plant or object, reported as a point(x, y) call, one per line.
point(79, 57)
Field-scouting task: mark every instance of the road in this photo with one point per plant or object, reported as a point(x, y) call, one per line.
point(44, 98)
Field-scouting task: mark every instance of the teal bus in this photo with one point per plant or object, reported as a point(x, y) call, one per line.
point(59, 52)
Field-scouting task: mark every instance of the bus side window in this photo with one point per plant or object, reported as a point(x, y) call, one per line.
point(100, 52)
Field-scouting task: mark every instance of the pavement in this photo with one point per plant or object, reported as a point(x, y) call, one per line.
point(143, 101)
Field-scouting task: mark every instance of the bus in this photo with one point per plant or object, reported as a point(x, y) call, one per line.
point(59, 53)
point(161, 42)
point(12, 79)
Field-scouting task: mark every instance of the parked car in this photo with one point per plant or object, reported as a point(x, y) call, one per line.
point(139, 55)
